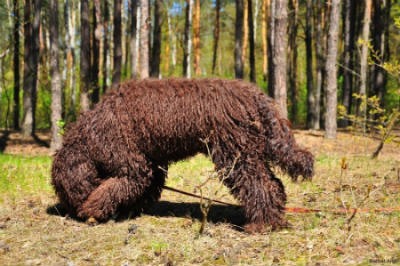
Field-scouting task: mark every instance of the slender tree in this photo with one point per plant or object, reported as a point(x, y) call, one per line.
point(85, 56)
point(95, 51)
point(279, 52)
point(157, 37)
point(349, 10)
point(133, 37)
point(364, 47)
point(292, 55)
point(270, 46)
point(56, 92)
point(380, 44)
point(16, 105)
point(117, 60)
point(320, 47)
point(239, 39)
point(144, 70)
point(196, 37)
point(106, 19)
point(70, 87)
point(216, 34)
point(264, 30)
point(187, 53)
point(31, 58)
point(311, 102)
point(252, 56)
point(331, 71)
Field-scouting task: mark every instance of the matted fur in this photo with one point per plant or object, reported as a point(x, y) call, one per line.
point(111, 157)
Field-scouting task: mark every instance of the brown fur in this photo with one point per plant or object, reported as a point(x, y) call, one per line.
point(111, 156)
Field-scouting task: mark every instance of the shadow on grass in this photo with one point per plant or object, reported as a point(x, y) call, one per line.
point(3, 140)
point(217, 213)
point(40, 142)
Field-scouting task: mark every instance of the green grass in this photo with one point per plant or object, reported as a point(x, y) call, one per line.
point(21, 175)
point(31, 236)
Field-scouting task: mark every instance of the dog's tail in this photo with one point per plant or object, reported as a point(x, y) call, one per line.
point(281, 147)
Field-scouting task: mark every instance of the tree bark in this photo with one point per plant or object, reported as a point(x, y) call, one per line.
point(196, 37)
point(270, 46)
point(16, 105)
point(292, 66)
point(279, 59)
point(252, 57)
point(133, 36)
point(245, 31)
point(348, 55)
point(85, 56)
point(95, 63)
point(31, 57)
point(117, 60)
point(364, 48)
point(106, 19)
point(380, 42)
point(239, 39)
point(144, 39)
point(320, 41)
point(216, 34)
point(331, 71)
point(56, 91)
point(157, 37)
point(311, 102)
point(187, 53)
point(264, 30)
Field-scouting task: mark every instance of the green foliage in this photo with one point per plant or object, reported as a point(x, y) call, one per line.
point(374, 116)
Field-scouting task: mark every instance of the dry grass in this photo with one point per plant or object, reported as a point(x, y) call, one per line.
point(168, 234)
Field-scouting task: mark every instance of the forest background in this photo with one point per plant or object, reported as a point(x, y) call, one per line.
point(314, 57)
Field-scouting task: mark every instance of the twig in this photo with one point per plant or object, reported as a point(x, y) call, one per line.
point(392, 122)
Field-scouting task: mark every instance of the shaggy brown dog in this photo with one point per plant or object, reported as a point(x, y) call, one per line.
point(111, 157)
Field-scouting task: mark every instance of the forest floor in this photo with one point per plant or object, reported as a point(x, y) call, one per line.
point(33, 233)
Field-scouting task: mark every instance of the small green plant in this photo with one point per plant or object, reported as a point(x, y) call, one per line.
point(61, 126)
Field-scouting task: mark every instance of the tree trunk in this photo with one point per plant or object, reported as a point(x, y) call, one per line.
point(311, 102)
point(133, 40)
point(331, 71)
point(16, 106)
point(270, 45)
point(279, 58)
point(106, 19)
point(187, 40)
point(216, 34)
point(264, 30)
point(380, 42)
point(117, 60)
point(348, 56)
point(196, 38)
point(157, 37)
point(31, 58)
point(85, 56)
point(70, 88)
point(320, 42)
point(364, 49)
point(252, 57)
point(239, 39)
point(144, 39)
point(56, 92)
point(245, 31)
point(292, 66)
point(95, 63)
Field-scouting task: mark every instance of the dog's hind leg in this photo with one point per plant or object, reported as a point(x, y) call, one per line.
point(128, 187)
